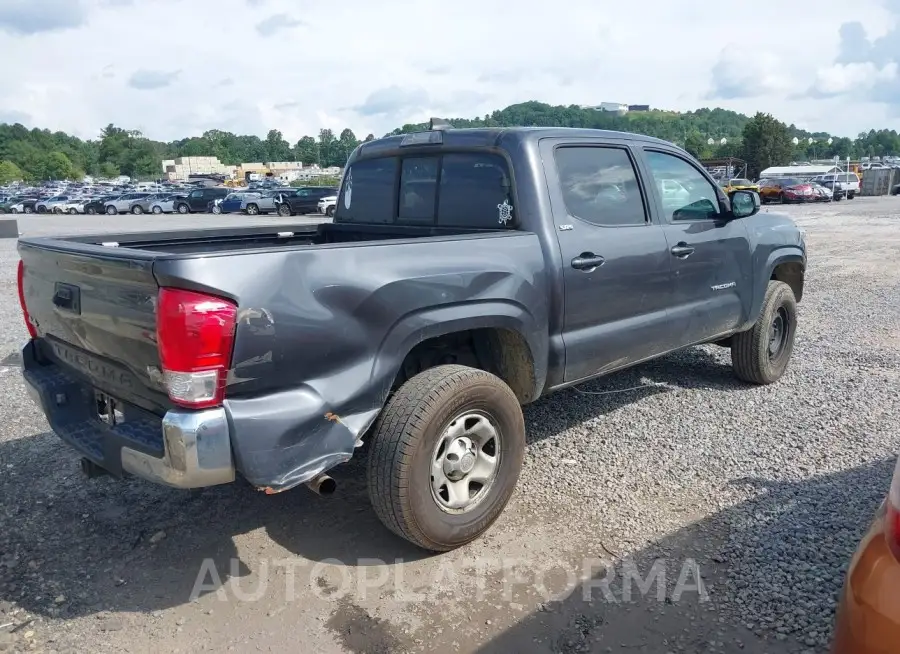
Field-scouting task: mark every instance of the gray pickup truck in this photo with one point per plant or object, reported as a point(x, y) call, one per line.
point(466, 273)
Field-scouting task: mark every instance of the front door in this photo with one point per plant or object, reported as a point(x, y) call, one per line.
point(710, 254)
point(616, 266)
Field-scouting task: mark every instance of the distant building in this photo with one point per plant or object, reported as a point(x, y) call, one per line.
point(182, 168)
point(639, 107)
point(798, 171)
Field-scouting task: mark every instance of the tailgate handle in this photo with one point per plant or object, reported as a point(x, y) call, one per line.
point(67, 297)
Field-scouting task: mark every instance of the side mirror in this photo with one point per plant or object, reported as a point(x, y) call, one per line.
point(744, 203)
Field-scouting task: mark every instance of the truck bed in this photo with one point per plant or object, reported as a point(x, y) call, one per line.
point(220, 241)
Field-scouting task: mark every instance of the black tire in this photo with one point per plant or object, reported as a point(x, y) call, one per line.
point(91, 211)
point(252, 210)
point(751, 351)
point(73, 212)
point(137, 210)
point(42, 209)
point(12, 211)
point(403, 442)
point(216, 209)
point(111, 211)
point(284, 210)
point(157, 210)
point(329, 212)
point(850, 196)
point(29, 210)
point(183, 208)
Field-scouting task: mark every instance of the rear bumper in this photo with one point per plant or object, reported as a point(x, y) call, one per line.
point(183, 449)
point(868, 615)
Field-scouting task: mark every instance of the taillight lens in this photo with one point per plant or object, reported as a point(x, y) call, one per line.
point(892, 519)
point(20, 280)
point(195, 336)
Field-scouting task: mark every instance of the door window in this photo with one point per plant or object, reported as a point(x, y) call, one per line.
point(685, 192)
point(196, 194)
point(599, 185)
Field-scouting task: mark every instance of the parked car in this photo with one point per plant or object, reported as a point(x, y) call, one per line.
point(96, 205)
point(165, 203)
point(303, 200)
point(821, 193)
point(145, 204)
point(198, 200)
point(47, 206)
point(264, 203)
point(326, 205)
point(267, 353)
point(868, 613)
point(123, 203)
point(18, 205)
point(73, 206)
point(785, 190)
point(739, 184)
point(848, 181)
point(231, 203)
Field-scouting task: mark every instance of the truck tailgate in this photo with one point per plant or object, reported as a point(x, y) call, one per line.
point(96, 316)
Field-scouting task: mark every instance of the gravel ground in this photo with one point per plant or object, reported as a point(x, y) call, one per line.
point(765, 490)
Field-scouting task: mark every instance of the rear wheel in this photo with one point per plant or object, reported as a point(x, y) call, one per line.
point(112, 211)
point(42, 209)
point(445, 455)
point(252, 210)
point(217, 209)
point(29, 210)
point(329, 212)
point(183, 208)
point(761, 354)
point(137, 210)
point(90, 211)
point(157, 209)
point(73, 212)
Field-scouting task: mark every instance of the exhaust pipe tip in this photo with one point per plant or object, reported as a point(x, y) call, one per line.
point(322, 485)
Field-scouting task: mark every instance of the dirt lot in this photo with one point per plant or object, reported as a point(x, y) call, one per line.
point(693, 514)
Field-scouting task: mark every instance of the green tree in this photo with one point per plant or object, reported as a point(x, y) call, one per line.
point(277, 149)
point(58, 166)
point(328, 153)
point(307, 150)
point(10, 172)
point(766, 142)
point(694, 143)
point(108, 170)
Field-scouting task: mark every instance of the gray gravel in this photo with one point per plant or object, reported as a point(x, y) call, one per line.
point(767, 489)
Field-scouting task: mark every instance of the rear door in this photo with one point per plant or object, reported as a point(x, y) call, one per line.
point(710, 255)
point(616, 265)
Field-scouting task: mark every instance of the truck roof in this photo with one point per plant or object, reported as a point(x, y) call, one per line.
point(491, 136)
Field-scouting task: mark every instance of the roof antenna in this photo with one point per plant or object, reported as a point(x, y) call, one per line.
point(439, 124)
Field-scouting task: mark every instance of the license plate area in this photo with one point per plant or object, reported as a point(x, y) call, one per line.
point(109, 409)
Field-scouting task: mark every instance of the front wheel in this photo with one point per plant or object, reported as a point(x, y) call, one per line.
point(157, 210)
point(284, 210)
point(73, 212)
point(111, 211)
point(217, 209)
point(445, 455)
point(90, 211)
point(183, 208)
point(29, 210)
point(252, 210)
point(761, 354)
point(329, 212)
point(137, 210)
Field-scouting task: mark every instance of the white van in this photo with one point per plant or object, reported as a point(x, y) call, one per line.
point(848, 181)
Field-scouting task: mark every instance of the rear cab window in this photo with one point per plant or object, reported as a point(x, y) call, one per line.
point(446, 189)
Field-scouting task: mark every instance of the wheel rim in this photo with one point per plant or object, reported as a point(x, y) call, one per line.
point(778, 332)
point(465, 462)
point(157, 210)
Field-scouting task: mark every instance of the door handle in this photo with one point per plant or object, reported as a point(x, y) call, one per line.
point(682, 250)
point(587, 261)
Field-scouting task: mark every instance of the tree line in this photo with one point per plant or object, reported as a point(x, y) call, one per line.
point(35, 154)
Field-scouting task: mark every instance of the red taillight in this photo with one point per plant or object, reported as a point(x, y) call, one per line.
point(892, 519)
point(21, 283)
point(195, 336)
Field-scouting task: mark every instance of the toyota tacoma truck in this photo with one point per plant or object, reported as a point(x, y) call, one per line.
point(467, 272)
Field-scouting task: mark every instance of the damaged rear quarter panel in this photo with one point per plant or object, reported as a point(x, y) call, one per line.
point(322, 332)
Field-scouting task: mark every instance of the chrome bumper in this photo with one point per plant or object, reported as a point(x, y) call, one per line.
point(197, 451)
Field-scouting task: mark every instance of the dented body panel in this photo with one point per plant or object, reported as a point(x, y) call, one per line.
point(328, 316)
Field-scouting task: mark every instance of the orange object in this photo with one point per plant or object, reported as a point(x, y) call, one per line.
point(868, 616)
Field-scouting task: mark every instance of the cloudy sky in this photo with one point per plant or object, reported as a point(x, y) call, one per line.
point(174, 68)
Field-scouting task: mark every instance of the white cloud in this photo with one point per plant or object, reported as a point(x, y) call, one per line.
point(374, 66)
point(858, 78)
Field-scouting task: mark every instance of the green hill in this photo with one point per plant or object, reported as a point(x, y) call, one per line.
point(35, 154)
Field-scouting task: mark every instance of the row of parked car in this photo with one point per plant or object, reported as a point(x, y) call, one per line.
point(824, 188)
point(217, 200)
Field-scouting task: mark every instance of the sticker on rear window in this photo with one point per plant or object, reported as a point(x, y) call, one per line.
point(505, 210)
point(348, 189)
